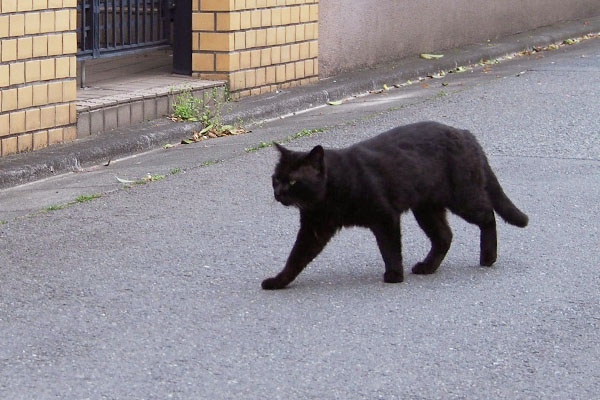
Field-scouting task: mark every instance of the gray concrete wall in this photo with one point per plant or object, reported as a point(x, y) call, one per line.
point(355, 33)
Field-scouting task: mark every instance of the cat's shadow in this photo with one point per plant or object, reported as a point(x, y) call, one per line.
point(339, 280)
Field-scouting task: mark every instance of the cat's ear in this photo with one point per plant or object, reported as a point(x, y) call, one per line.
point(316, 158)
point(282, 150)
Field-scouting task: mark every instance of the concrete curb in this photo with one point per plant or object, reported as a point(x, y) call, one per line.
point(22, 168)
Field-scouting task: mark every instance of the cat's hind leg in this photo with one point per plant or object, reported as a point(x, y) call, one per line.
point(433, 222)
point(488, 240)
point(485, 219)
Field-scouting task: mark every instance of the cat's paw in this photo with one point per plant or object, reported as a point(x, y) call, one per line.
point(272, 284)
point(393, 277)
point(422, 268)
point(487, 260)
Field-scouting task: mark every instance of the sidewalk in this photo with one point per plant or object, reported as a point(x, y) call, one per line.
point(27, 167)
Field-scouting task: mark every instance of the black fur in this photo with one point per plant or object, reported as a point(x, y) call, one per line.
point(426, 167)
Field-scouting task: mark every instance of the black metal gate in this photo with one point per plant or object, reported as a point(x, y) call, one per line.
point(110, 27)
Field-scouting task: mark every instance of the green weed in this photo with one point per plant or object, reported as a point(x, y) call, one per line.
point(56, 207)
point(84, 199)
point(186, 107)
point(154, 178)
point(297, 135)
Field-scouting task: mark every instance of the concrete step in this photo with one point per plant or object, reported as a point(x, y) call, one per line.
point(123, 103)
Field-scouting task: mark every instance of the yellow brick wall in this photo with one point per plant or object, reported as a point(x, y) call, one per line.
point(37, 74)
point(256, 45)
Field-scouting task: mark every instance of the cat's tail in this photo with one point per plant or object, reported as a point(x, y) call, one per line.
point(502, 204)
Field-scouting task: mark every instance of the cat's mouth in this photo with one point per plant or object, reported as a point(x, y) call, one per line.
point(284, 200)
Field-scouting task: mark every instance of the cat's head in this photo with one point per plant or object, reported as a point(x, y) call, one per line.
point(300, 178)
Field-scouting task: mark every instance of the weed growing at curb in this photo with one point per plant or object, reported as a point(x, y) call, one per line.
point(175, 171)
point(78, 200)
point(154, 178)
point(84, 199)
point(261, 145)
point(57, 207)
point(186, 107)
point(3, 222)
point(209, 162)
point(227, 93)
point(297, 135)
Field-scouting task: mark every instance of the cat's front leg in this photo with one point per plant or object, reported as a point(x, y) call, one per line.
point(309, 243)
point(389, 242)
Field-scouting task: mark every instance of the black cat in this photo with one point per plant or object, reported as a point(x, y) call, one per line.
point(426, 167)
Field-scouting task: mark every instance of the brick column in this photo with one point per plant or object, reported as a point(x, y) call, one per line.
point(257, 46)
point(37, 73)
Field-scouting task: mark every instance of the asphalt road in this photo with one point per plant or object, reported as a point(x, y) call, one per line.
point(154, 292)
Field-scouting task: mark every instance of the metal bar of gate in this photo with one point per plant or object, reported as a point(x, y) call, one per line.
point(104, 19)
point(129, 24)
point(144, 20)
point(95, 29)
point(122, 21)
point(114, 23)
point(152, 13)
point(83, 27)
point(137, 21)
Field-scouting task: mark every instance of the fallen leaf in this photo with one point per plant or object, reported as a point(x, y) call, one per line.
point(124, 181)
point(335, 103)
point(237, 131)
point(458, 69)
point(187, 141)
point(167, 146)
point(385, 87)
point(431, 56)
point(209, 127)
